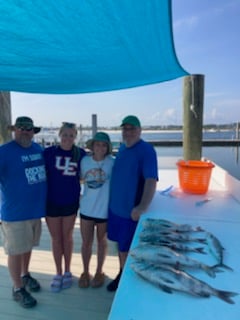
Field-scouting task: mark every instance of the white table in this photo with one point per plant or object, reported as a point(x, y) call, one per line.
point(136, 299)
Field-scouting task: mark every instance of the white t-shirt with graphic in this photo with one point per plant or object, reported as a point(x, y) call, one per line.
point(96, 177)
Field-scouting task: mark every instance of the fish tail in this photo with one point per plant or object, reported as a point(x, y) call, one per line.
point(226, 296)
point(211, 271)
point(222, 265)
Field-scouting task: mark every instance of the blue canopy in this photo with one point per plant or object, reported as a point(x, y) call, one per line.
point(77, 46)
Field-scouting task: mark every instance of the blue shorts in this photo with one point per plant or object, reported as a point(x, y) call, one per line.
point(121, 230)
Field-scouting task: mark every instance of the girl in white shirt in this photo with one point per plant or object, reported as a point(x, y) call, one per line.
point(95, 174)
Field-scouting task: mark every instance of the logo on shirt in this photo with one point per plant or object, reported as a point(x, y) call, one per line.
point(95, 178)
point(66, 166)
point(35, 174)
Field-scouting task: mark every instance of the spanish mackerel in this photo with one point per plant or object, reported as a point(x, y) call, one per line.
point(216, 248)
point(161, 223)
point(177, 246)
point(155, 235)
point(169, 279)
point(164, 255)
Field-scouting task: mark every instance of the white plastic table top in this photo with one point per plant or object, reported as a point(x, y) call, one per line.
point(136, 299)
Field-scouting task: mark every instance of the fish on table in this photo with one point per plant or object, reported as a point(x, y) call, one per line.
point(216, 248)
point(159, 224)
point(170, 279)
point(165, 255)
point(177, 246)
point(147, 235)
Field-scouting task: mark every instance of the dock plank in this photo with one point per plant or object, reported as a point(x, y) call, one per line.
point(73, 303)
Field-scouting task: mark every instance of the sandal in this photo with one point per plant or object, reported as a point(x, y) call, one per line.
point(98, 280)
point(67, 280)
point(84, 280)
point(56, 284)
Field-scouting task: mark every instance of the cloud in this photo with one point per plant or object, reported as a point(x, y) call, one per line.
point(188, 22)
point(222, 111)
point(165, 117)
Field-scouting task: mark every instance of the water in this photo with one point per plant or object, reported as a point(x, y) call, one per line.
point(226, 157)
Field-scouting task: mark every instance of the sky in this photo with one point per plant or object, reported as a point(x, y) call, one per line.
point(206, 39)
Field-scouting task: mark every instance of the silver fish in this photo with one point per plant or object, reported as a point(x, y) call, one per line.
point(216, 248)
point(164, 255)
point(169, 279)
point(155, 235)
point(177, 246)
point(161, 223)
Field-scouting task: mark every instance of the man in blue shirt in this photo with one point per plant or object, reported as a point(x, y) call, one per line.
point(23, 195)
point(133, 184)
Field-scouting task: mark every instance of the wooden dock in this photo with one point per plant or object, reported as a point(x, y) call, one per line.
point(205, 143)
point(74, 303)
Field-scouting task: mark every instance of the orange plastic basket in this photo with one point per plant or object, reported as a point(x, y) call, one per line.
point(194, 176)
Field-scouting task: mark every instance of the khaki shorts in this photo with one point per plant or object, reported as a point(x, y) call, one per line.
point(20, 236)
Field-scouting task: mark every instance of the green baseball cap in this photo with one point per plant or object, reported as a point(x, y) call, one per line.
point(132, 120)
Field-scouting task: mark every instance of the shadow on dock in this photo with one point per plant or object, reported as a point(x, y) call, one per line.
point(74, 303)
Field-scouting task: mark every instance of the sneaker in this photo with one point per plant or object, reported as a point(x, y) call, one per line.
point(113, 285)
point(30, 283)
point(24, 298)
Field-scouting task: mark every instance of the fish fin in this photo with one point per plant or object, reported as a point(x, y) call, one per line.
point(178, 266)
point(163, 255)
point(200, 250)
point(166, 289)
point(201, 240)
point(226, 296)
point(200, 229)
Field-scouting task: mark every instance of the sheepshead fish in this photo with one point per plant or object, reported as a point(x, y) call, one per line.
point(155, 235)
point(166, 224)
point(170, 279)
point(177, 246)
point(216, 248)
point(164, 255)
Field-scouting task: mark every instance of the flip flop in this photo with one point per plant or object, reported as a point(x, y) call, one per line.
point(84, 280)
point(67, 280)
point(56, 284)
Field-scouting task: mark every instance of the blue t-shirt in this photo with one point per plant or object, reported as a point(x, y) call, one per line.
point(23, 182)
point(131, 168)
point(63, 176)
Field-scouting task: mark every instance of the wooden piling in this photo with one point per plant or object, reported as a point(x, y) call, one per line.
point(5, 117)
point(193, 96)
point(94, 124)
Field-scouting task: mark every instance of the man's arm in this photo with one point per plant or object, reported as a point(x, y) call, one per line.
point(147, 196)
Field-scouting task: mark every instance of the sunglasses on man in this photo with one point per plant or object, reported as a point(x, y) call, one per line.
point(28, 129)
